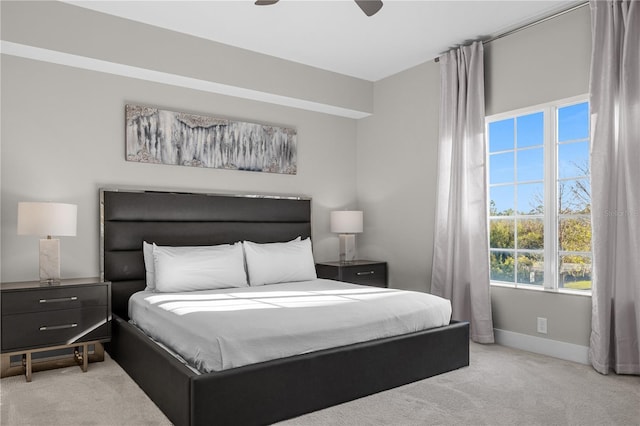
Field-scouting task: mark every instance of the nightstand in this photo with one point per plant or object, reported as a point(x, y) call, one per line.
point(365, 272)
point(37, 317)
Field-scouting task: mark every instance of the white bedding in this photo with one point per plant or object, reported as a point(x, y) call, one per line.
point(216, 330)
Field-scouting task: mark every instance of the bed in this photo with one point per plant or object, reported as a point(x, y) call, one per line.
point(258, 393)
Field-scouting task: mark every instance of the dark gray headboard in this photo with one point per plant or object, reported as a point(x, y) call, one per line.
point(179, 219)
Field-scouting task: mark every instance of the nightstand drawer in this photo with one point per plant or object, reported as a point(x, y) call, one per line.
point(375, 275)
point(63, 327)
point(51, 299)
point(365, 272)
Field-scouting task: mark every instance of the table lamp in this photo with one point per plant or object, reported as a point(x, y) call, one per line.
point(347, 223)
point(48, 219)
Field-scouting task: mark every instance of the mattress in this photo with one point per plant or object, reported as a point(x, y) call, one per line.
point(215, 330)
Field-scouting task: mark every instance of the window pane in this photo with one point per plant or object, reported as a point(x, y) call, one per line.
point(531, 268)
point(575, 272)
point(574, 234)
point(501, 168)
point(501, 135)
point(501, 201)
point(530, 234)
point(574, 196)
point(573, 122)
point(530, 130)
point(501, 233)
point(502, 266)
point(519, 187)
point(573, 160)
point(531, 198)
point(530, 164)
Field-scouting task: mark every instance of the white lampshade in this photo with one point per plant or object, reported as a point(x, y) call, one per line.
point(47, 219)
point(346, 221)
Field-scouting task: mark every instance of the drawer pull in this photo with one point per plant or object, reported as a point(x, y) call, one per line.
point(365, 273)
point(62, 299)
point(57, 327)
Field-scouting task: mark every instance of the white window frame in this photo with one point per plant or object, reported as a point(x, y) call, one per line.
point(551, 251)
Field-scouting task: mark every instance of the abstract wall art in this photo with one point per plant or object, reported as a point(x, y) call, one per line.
point(168, 137)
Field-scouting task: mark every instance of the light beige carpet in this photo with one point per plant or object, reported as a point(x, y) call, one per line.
point(502, 386)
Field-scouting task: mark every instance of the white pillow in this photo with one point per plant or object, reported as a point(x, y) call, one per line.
point(273, 263)
point(147, 251)
point(198, 268)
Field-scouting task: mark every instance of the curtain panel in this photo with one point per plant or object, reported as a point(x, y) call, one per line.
point(461, 255)
point(615, 169)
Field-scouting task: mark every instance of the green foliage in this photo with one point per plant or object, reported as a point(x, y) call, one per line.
point(578, 285)
point(530, 234)
point(530, 269)
point(502, 266)
point(575, 234)
point(501, 234)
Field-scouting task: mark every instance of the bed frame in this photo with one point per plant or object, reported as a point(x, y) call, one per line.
point(261, 393)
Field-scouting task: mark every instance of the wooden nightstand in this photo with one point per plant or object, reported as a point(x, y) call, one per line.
point(366, 272)
point(37, 317)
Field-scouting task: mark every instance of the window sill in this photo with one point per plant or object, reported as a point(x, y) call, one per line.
point(573, 292)
point(538, 289)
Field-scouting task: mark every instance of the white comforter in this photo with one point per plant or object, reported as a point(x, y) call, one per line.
point(215, 330)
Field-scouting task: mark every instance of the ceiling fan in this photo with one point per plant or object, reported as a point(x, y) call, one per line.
point(369, 7)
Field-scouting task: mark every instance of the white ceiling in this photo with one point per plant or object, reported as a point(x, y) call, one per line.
point(335, 35)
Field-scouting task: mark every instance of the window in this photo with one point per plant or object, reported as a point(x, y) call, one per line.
point(540, 197)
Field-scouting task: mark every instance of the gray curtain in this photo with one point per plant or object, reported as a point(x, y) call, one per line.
point(461, 255)
point(615, 171)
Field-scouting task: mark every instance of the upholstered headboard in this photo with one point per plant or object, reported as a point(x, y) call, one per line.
point(127, 218)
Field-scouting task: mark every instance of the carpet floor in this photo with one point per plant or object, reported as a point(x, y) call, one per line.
point(502, 386)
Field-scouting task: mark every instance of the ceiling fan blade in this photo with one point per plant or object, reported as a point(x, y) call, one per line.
point(265, 2)
point(369, 7)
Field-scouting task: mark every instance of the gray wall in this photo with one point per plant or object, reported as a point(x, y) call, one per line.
point(397, 159)
point(546, 62)
point(397, 150)
point(63, 130)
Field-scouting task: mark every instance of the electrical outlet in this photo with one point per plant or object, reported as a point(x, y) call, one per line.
point(542, 325)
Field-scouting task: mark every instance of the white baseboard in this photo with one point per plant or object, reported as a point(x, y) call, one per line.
point(539, 345)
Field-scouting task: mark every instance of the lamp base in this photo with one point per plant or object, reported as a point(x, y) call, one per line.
point(347, 248)
point(50, 260)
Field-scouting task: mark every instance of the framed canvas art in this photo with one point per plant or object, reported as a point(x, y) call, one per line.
point(167, 137)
